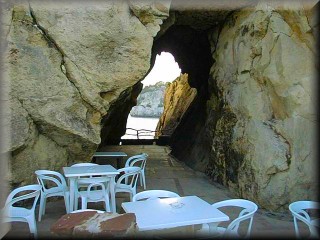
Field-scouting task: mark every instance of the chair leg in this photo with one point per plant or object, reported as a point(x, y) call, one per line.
point(41, 207)
point(296, 228)
point(66, 202)
point(143, 180)
point(32, 226)
point(131, 196)
point(83, 203)
point(107, 203)
point(76, 204)
point(44, 205)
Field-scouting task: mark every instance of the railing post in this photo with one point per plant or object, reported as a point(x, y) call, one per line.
point(137, 134)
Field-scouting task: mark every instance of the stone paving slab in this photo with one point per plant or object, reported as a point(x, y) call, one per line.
point(165, 172)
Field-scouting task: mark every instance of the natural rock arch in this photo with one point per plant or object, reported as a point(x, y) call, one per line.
point(252, 124)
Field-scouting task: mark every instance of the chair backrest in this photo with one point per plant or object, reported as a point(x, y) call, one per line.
point(153, 194)
point(298, 210)
point(23, 193)
point(249, 208)
point(131, 161)
point(48, 179)
point(95, 182)
point(130, 173)
point(138, 162)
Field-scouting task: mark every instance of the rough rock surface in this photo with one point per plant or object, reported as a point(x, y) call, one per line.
point(150, 101)
point(264, 143)
point(107, 225)
point(64, 226)
point(67, 63)
point(92, 224)
point(177, 99)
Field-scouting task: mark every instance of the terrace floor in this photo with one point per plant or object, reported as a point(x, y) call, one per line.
point(165, 172)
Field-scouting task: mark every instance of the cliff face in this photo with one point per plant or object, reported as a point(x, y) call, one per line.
point(257, 133)
point(263, 82)
point(67, 64)
point(177, 99)
point(150, 101)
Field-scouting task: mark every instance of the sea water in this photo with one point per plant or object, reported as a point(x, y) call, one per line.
point(140, 123)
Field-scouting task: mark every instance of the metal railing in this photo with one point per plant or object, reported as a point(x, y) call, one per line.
point(141, 133)
point(144, 132)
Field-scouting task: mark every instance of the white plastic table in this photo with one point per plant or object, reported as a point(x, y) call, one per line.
point(97, 170)
point(117, 155)
point(173, 212)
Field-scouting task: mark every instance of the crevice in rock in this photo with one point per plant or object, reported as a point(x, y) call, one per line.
point(134, 15)
point(30, 116)
point(284, 139)
point(306, 156)
point(291, 20)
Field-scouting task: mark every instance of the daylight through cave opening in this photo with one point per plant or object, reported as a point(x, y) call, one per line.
point(187, 114)
point(143, 118)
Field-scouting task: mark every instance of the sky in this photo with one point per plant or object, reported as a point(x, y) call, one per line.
point(165, 69)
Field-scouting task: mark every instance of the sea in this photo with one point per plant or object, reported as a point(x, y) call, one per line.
point(140, 123)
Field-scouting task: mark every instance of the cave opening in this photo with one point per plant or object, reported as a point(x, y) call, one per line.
point(143, 118)
point(192, 50)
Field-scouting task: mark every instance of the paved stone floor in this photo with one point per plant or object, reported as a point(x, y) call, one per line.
point(165, 172)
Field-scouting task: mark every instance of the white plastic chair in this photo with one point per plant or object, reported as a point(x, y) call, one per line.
point(299, 212)
point(246, 214)
point(153, 194)
point(92, 193)
point(140, 161)
point(131, 174)
point(12, 213)
point(79, 184)
point(53, 184)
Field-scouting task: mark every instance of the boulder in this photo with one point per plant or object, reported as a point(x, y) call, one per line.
point(177, 99)
point(67, 63)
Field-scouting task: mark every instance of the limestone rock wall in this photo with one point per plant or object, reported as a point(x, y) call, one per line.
point(178, 97)
point(263, 85)
point(66, 64)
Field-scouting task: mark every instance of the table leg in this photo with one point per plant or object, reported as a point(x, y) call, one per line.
point(213, 228)
point(190, 231)
point(112, 195)
point(72, 195)
point(119, 161)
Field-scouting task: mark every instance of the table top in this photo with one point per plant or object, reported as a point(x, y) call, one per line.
point(89, 170)
point(110, 154)
point(173, 212)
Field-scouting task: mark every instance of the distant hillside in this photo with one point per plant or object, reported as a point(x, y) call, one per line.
point(150, 101)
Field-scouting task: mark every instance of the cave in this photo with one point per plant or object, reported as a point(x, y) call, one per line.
point(205, 137)
point(185, 35)
point(251, 126)
point(192, 51)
